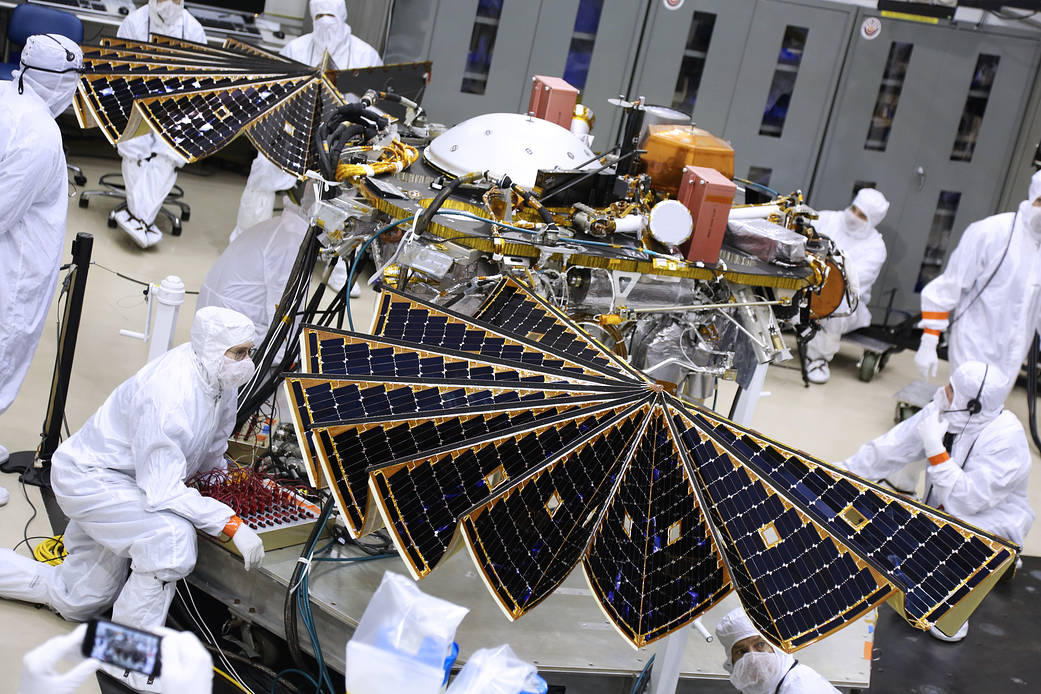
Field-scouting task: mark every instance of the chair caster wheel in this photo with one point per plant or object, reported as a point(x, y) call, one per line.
point(80, 180)
point(870, 364)
point(185, 216)
point(112, 223)
point(84, 202)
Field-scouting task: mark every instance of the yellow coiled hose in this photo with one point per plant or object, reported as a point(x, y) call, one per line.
point(51, 551)
point(396, 157)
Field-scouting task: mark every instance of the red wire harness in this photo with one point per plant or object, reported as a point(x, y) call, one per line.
point(261, 502)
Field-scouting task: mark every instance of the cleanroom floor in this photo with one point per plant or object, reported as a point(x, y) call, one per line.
point(828, 421)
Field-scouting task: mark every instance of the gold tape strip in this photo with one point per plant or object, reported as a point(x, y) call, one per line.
point(669, 268)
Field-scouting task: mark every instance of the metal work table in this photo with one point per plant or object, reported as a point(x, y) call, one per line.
point(566, 634)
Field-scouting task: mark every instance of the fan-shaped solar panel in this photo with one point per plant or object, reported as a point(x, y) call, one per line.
point(516, 435)
point(198, 98)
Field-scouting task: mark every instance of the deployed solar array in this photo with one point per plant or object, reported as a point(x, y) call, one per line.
point(198, 98)
point(514, 434)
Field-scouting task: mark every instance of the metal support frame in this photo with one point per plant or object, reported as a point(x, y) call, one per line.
point(35, 466)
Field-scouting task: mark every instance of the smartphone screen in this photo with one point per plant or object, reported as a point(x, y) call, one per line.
point(122, 646)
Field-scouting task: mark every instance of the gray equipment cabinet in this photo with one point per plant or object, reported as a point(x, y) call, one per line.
point(485, 52)
point(760, 73)
point(929, 115)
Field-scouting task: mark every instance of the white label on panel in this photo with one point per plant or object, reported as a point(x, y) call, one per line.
point(871, 29)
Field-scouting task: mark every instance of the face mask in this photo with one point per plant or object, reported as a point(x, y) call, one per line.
point(956, 417)
point(233, 373)
point(55, 87)
point(760, 673)
point(327, 31)
point(168, 11)
point(852, 221)
point(940, 400)
point(1034, 220)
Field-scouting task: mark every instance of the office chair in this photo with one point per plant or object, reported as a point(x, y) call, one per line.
point(27, 20)
point(114, 187)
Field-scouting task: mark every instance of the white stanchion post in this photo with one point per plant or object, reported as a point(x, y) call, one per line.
point(749, 397)
point(665, 676)
point(169, 295)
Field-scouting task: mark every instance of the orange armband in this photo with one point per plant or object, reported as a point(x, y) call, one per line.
point(936, 315)
point(930, 331)
point(231, 528)
point(939, 458)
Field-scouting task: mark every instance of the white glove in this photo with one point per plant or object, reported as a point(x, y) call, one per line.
point(186, 665)
point(925, 359)
point(249, 545)
point(931, 430)
point(39, 675)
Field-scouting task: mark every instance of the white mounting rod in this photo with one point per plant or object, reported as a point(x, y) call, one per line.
point(169, 296)
point(164, 300)
point(148, 318)
point(702, 630)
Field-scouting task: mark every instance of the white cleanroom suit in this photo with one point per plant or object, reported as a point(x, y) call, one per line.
point(121, 478)
point(865, 254)
point(331, 35)
point(149, 164)
point(33, 201)
point(250, 275)
point(982, 479)
point(992, 286)
point(758, 672)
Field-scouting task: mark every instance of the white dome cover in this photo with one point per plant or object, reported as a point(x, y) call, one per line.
point(507, 143)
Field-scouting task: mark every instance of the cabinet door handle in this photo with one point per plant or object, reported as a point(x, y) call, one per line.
point(921, 176)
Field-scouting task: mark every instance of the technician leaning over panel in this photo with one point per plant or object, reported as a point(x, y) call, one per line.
point(33, 201)
point(149, 164)
point(121, 481)
point(332, 35)
point(992, 284)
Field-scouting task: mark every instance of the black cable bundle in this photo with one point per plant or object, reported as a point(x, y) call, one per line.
point(439, 199)
point(1032, 376)
point(284, 331)
point(335, 133)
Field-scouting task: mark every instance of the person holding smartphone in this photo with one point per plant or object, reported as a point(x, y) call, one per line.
point(186, 666)
point(121, 478)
